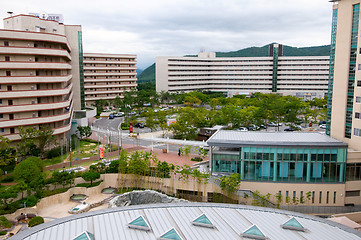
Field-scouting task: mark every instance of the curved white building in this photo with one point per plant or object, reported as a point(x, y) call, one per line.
point(305, 76)
point(39, 74)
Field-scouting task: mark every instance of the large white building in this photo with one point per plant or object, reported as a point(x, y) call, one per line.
point(40, 77)
point(305, 76)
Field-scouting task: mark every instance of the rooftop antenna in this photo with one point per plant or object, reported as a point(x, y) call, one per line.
point(10, 13)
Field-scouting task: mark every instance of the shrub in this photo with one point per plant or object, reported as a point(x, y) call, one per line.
point(35, 221)
point(55, 152)
point(31, 201)
point(8, 179)
point(4, 222)
point(197, 159)
point(2, 233)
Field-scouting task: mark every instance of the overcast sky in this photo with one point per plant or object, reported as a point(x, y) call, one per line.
point(151, 28)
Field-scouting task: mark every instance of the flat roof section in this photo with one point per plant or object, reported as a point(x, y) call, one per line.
point(232, 138)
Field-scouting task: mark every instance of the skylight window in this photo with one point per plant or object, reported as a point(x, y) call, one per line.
point(293, 224)
point(203, 221)
point(139, 223)
point(171, 235)
point(85, 236)
point(254, 233)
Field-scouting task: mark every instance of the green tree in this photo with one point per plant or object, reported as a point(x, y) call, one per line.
point(7, 153)
point(84, 132)
point(90, 176)
point(34, 141)
point(28, 169)
point(7, 195)
point(21, 187)
point(230, 183)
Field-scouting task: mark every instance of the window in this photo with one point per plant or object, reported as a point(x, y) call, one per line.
point(1, 101)
point(6, 43)
point(354, 193)
point(357, 115)
point(2, 130)
point(12, 130)
point(10, 88)
point(1, 115)
point(357, 132)
point(334, 197)
point(313, 197)
point(8, 73)
point(7, 58)
point(10, 102)
point(320, 199)
point(327, 196)
point(359, 83)
point(358, 99)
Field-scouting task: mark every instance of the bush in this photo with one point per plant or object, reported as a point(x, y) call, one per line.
point(31, 201)
point(4, 222)
point(8, 179)
point(35, 221)
point(2, 233)
point(197, 159)
point(55, 152)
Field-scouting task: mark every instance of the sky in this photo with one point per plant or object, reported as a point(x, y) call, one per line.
point(151, 28)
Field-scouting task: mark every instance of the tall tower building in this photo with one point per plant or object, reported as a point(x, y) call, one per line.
point(344, 94)
point(41, 77)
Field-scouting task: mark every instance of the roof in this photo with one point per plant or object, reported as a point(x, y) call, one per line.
point(175, 221)
point(309, 139)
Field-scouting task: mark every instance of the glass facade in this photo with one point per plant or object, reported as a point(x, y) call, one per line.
point(331, 71)
point(81, 70)
point(352, 70)
point(275, 69)
point(283, 164)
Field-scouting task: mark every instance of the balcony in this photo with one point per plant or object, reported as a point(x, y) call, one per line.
point(36, 65)
point(35, 93)
point(34, 121)
point(34, 79)
point(64, 129)
point(35, 51)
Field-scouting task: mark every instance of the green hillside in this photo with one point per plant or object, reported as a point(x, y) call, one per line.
point(148, 75)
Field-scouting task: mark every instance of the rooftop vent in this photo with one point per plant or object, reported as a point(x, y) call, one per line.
point(203, 221)
point(254, 233)
point(139, 223)
point(171, 235)
point(293, 224)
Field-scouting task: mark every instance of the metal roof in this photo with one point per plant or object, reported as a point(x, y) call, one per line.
point(236, 138)
point(230, 222)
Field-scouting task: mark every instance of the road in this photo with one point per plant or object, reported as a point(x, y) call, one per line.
point(108, 128)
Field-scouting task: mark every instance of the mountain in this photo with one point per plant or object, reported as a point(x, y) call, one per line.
point(148, 75)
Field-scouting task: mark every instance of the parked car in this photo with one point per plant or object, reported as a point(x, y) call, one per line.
point(253, 127)
point(139, 125)
point(321, 122)
point(119, 114)
point(323, 126)
point(111, 116)
point(272, 124)
point(242, 129)
point(289, 129)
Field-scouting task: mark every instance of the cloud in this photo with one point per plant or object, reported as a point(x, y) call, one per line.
point(179, 27)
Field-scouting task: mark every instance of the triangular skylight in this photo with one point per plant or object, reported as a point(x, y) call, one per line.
point(170, 235)
point(254, 233)
point(203, 221)
point(85, 236)
point(139, 223)
point(293, 224)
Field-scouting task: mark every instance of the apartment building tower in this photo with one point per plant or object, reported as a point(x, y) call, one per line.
point(301, 76)
point(41, 76)
point(107, 76)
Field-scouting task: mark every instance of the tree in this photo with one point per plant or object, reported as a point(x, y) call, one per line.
point(28, 169)
point(90, 176)
point(84, 132)
point(34, 141)
point(22, 186)
point(99, 167)
point(231, 183)
point(7, 153)
point(62, 177)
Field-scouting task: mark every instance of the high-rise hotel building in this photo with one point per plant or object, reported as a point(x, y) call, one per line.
point(107, 76)
point(305, 76)
point(41, 77)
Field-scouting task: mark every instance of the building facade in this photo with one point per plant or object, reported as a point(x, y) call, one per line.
point(305, 77)
point(107, 76)
point(40, 75)
point(291, 164)
point(344, 93)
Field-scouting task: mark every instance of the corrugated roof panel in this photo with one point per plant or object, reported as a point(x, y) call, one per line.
point(158, 221)
point(234, 219)
point(221, 222)
point(270, 224)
